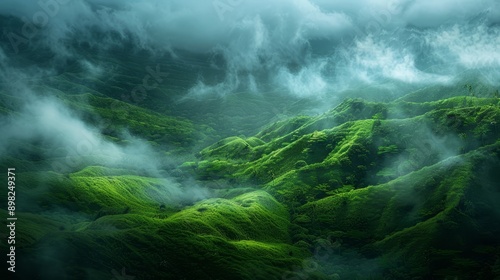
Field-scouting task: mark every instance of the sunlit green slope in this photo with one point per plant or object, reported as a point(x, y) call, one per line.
point(396, 190)
point(99, 219)
point(407, 188)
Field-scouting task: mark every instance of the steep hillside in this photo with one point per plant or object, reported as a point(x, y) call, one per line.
point(98, 220)
point(397, 190)
point(228, 140)
point(407, 188)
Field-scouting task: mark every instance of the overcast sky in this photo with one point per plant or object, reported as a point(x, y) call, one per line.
point(331, 44)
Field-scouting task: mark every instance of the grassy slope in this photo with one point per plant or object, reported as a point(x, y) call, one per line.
point(380, 178)
point(86, 223)
point(99, 219)
point(370, 178)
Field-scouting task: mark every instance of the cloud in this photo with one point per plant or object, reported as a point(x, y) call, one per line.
point(374, 60)
point(68, 144)
point(429, 13)
point(469, 47)
point(307, 82)
point(283, 44)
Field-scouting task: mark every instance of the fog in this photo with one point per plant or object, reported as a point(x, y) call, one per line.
point(69, 144)
point(309, 48)
point(312, 52)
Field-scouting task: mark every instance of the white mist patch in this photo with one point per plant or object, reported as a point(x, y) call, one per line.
point(284, 43)
point(308, 82)
point(250, 38)
point(252, 84)
point(372, 59)
point(202, 90)
point(93, 70)
point(472, 47)
point(388, 61)
point(69, 144)
point(48, 120)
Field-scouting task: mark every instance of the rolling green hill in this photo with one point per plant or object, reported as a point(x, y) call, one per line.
point(406, 188)
point(396, 190)
point(251, 185)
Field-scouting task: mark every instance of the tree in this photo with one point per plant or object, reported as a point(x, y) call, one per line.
point(469, 89)
point(471, 92)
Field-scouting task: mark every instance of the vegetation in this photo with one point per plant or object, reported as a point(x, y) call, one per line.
point(405, 189)
point(400, 191)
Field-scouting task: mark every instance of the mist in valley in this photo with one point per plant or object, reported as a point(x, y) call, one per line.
point(137, 90)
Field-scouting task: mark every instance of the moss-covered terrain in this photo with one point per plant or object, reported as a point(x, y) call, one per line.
point(98, 219)
point(406, 189)
point(399, 190)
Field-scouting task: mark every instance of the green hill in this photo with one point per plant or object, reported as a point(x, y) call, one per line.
point(405, 189)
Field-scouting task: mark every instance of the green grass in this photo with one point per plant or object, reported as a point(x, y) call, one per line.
point(398, 190)
point(102, 220)
point(395, 181)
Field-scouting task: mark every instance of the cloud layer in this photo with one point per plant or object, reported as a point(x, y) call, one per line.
point(307, 47)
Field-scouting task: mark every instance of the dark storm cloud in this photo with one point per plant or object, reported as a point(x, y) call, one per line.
point(307, 47)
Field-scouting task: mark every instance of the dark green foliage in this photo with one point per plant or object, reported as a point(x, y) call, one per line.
point(397, 189)
point(368, 190)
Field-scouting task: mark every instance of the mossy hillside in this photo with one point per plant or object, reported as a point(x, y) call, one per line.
point(250, 216)
point(232, 147)
point(402, 176)
point(149, 125)
point(461, 240)
point(101, 171)
point(116, 209)
point(286, 131)
point(391, 203)
point(319, 158)
point(425, 222)
point(477, 125)
point(448, 129)
point(238, 238)
point(315, 147)
point(334, 163)
point(255, 226)
point(409, 143)
point(30, 230)
point(31, 188)
point(96, 213)
point(283, 127)
point(280, 134)
point(406, 109)
point(64, 161)
point(363, 149)
point(91, 194)
point(471, 84)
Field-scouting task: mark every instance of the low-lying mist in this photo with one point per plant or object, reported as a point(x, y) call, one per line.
point(308, 48)
point(67, 144)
